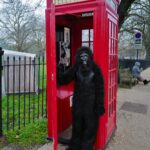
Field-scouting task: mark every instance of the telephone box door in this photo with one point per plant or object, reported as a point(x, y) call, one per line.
point(51, 76)
point(112, 74)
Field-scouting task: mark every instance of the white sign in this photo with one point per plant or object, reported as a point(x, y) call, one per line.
point(138, 40)
point(87, 14)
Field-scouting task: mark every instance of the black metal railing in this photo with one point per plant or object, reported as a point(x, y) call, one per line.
point(23, 91)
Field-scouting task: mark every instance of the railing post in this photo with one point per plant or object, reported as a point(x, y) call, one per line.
point(1, 67)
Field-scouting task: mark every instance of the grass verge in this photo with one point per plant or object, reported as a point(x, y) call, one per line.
point(31, 135)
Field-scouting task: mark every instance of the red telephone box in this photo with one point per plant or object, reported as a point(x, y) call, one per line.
point(69, 25)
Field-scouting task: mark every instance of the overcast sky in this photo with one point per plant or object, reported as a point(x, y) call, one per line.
point(40, 11)
point(32, 2)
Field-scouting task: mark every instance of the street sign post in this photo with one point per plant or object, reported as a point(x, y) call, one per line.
point(138, 41)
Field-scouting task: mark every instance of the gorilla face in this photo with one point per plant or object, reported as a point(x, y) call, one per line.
point(85, 61)
point(84, 58)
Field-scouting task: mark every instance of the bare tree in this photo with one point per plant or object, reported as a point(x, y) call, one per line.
point(139, 19)
point(38, 36)
point(17, 22)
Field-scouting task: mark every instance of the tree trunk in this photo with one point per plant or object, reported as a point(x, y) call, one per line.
point(123, 10)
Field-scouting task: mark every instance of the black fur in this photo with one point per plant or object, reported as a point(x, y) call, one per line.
point(88, 100)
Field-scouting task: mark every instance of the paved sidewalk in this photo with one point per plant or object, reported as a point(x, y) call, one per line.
point(133, 119)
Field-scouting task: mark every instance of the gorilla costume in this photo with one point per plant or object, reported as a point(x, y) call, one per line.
point(88, 99)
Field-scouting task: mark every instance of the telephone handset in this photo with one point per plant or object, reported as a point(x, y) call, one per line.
point(63, 47)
